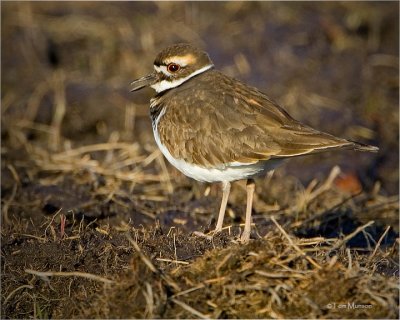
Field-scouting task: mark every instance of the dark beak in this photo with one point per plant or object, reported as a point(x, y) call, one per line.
point(144, 82)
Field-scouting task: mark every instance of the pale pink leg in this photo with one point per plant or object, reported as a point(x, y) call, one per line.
point(250, 187)
point(226, 188)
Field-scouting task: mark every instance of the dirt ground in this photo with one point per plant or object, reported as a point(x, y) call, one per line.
point(96, 224)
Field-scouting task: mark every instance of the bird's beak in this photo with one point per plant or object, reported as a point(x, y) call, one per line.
point(144, 82)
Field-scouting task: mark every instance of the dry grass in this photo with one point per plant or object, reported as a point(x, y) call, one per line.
point(91, 212)
point(272, 277)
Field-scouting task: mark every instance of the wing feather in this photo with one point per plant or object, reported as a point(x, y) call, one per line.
point(209, 126)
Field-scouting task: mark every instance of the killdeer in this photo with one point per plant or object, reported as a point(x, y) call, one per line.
point(214, 128)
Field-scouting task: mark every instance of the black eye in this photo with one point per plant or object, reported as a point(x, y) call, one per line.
point(173, 67)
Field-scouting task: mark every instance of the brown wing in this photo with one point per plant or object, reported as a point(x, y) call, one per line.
point(209, 126)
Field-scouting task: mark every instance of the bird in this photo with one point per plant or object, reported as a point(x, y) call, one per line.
point(215, 128)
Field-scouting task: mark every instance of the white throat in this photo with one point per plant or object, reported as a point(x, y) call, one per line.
point(165, 85)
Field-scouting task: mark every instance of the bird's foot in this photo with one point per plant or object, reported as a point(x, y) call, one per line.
point(245, 237)
point(209, 235)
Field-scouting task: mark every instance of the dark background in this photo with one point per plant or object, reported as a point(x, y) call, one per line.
point(332, 65)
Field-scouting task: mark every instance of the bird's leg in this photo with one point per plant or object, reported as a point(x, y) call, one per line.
point(226, 188)
point(250, 187)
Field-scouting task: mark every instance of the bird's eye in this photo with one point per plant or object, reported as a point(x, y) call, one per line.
point(173, 67)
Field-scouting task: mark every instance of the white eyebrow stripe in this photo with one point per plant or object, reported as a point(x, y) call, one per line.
point(183, 61)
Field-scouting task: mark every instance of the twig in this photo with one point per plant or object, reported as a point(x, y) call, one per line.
point(15, 290)
point(278, 275)
point(190, 309)
point(379, 243)
point(320, 214)
point(147, 262)
point(69, 274)
point(170, 260)
point(201, 286)
point(349, 236)
point(202, 235)
point(35, 99)
point(327, 184)
point(224, 260)
point(14, 173)
point(92, 148)
point(175, 254)
point(165, 171)
point(7, 204)
point(350, 265)
point(51, 221)
point(309, 194)
point(294, 245)
point(151, 266)
point(149, 297)
point(130, 115)
point(32, 236)
point(60, 108)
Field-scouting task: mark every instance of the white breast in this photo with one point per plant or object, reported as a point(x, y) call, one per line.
point(226, 172)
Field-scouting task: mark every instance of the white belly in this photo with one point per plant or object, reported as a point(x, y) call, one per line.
point(226, 172)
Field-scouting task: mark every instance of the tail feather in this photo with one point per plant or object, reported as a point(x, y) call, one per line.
point(364, 147)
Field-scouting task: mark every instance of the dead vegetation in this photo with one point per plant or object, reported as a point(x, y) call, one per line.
point(95, 223)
